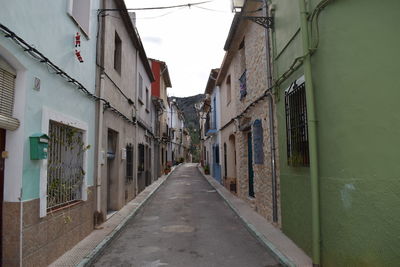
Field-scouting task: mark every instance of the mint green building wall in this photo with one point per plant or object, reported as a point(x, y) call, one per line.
point(357, 87)
point(46, 25)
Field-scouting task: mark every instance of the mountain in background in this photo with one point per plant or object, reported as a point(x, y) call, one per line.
point(186, 104)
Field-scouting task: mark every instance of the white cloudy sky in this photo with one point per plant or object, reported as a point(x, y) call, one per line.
point(190, 41)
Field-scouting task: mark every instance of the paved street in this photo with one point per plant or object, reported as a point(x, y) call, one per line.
point(186, 224)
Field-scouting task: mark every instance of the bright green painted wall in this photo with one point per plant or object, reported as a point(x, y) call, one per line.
point(357, 88)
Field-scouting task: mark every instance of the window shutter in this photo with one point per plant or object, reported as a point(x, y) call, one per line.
point(7, 84)
point(6, 92)
point(80, 11)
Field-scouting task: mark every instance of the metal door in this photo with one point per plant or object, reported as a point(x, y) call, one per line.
point(250, 165)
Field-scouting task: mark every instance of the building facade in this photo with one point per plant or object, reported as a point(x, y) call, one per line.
point(124, 137)
point(160, 99)
point(337, 153)
point(247, 130)
point(47, 121)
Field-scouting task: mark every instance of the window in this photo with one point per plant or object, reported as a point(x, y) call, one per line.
point(296, 125)
point(242, 79)
point(147, 99)
point(65, 171)
point(140, 88)
point(7, 80)
point(79, 10)
point(214, 113)
point(228, 89)
point(129, 163)
point(242, 55)
point(117, 53)
point(141, 158)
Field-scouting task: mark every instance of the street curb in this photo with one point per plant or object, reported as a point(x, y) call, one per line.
point(91, 257)
point(271, 247)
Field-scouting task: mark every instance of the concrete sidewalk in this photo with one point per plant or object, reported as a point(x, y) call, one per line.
point(288, 253)
point(83, 253)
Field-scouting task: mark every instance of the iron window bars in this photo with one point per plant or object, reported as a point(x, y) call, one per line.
point(65, 165)
point(129, 163)
point(243, 86)
point(296, 125)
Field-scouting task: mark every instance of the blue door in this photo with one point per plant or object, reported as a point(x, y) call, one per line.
point(216, 166)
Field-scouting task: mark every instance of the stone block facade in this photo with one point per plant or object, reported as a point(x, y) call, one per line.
point(247, 52)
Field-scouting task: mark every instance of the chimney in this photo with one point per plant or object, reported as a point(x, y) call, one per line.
point(133, 18)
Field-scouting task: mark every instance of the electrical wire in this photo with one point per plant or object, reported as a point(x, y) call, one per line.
point(314, 19)
point(162, 7)
point(162, 15)
point(210, 9)
point(31, 50)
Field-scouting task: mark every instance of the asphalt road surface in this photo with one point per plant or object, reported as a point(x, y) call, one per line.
point(186, 223)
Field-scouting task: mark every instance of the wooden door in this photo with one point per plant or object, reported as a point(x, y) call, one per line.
point(250, 164)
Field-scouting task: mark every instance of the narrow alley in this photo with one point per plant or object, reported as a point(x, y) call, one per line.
point(186, 223)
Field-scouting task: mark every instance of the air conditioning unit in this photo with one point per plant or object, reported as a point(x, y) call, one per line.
point(237, 5)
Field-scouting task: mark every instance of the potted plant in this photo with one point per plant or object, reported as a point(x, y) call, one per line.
point(206, 169)
point(167, 168)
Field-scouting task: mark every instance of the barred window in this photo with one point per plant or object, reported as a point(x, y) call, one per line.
point(243, 85)
point(65, 171)
point(129, 163)
point(141, 158)
point(296, 126)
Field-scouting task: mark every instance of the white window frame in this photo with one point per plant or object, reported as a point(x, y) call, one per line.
point(70, 13)
point(51, 115)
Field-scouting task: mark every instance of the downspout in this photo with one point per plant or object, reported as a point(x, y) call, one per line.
point(99, 119)
point(312, 134)
point(271, 122)
point(21, 228)
point(135, 154)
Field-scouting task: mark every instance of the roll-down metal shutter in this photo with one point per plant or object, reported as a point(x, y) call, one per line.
point(7, 84)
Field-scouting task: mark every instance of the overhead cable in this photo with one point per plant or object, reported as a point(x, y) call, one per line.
point(32, 51)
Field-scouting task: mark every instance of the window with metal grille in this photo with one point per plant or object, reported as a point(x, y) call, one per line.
point(129, 163)
point(141, 158)
point(7, 80)
point(243, 85)
point(65, 172)
point(296, 126)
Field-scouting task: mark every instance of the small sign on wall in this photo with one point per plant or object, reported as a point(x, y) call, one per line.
point(258, 141)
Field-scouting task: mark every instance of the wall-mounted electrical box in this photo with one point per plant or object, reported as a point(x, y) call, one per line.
point(39, 144)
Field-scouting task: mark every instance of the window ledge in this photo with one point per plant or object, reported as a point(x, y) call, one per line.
point(66, 206)
point(147, 110)
point(140, 101)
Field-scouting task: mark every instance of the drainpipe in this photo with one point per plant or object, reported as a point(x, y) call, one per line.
point(271, 121)
point(135, 154)
point(99, 113)
point(21, 227)
point(312, 134)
